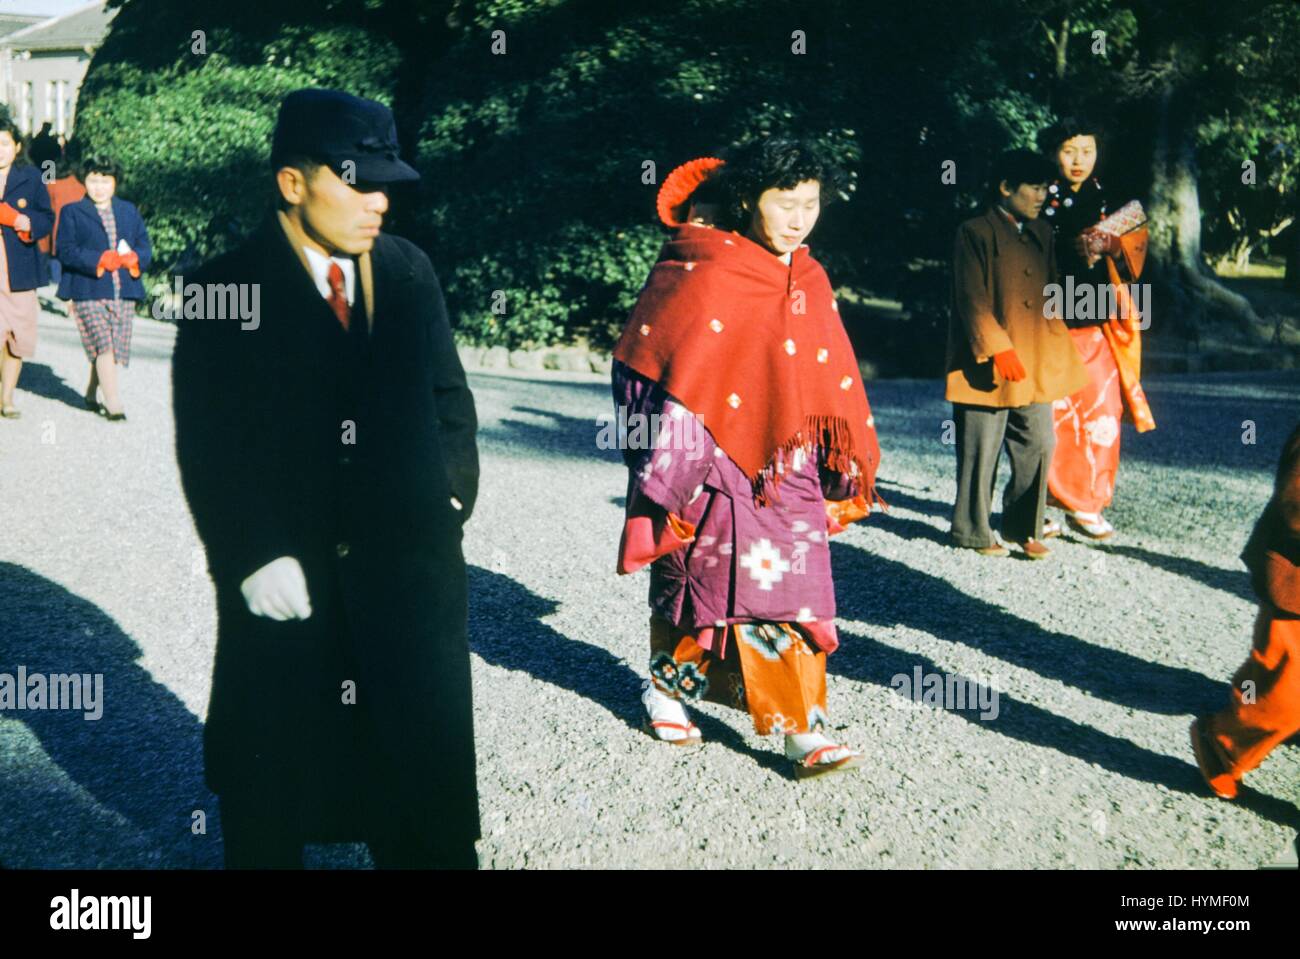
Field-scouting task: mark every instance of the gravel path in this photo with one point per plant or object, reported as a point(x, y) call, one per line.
point(1098, 657)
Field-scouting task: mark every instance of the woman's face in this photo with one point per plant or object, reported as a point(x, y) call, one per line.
point(783, 219)
point(1077, 158)
point(8, 149)
point(100, 188)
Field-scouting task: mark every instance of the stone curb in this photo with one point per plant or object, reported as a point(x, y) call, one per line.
point(563, 359)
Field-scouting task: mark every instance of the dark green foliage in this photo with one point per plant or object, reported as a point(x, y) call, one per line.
point(534, 195)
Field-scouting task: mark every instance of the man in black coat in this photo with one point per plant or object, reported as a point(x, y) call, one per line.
point(325, 437)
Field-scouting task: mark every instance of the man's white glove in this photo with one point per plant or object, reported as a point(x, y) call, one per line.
point(278, 590)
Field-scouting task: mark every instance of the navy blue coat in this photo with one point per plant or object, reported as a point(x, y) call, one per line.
point(81, 241)
point(26, 193)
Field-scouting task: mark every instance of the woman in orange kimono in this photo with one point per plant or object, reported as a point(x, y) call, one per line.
point(1081, 479)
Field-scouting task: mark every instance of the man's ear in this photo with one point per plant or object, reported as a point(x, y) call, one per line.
point(292, 184)
point(1004, 189)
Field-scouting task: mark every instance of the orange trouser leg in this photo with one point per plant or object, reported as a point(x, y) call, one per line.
point(784, 677)
point(770, 669)
point(679, 666)
point(1265, 707)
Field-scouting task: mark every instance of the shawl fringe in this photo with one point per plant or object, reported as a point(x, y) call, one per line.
point(833, 436)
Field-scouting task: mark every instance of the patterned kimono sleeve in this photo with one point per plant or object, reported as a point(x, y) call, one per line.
point(668, 454)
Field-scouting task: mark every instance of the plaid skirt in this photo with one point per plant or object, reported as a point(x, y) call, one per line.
point(105, 325)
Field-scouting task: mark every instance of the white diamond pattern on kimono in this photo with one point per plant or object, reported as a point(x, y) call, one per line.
point(715, 325)
point(734, 401)
point(823, 355)
point(765, 564)
point(690, 265)
point(645, 329)
point(789, 347)
point(846, 382)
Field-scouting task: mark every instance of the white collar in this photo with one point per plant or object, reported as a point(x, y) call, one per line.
point(320, 272)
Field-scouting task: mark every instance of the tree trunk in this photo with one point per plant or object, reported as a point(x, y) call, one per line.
point(1293, 257)
point(1190, 293)
point(422, 32)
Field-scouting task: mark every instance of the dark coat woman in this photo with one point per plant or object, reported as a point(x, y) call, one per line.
point(26, 193)
point(81, 241)
point(354, 452)
point(25, 218)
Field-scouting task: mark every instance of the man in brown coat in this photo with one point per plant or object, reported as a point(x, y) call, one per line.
point(1264, 706)
point(1008, 359)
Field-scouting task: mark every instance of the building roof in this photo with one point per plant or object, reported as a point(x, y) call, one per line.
point(83, 27)
point(13, 22)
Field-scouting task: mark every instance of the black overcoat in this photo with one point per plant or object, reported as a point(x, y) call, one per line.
point(348, 453)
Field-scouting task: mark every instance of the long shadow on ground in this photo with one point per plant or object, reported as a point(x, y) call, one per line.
point(143, 759)
point(873, 589)
point(506, 630)
point(868, 661)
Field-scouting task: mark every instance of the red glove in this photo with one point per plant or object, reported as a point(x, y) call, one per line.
point(131, 261)
point(1009, 366)
point(8, 217)
point(108, 260)
point(1095, 243)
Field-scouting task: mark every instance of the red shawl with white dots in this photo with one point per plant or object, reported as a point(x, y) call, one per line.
point(756, 349)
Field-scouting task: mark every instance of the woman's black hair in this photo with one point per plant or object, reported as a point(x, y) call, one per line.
point(1017, 167)
point(775, 163)
point(1076, 125)
point(8, 124)
point(101, 165)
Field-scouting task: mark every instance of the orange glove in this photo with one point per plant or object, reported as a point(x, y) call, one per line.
point(108, 260)
point(8, 217)
point(131, 261)
point(1009, 366)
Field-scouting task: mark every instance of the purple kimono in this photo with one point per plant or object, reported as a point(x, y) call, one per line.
point(745, 563)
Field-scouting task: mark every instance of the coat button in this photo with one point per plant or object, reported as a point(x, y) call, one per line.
point(342, 549)
point(1029, 302)
point(347, 460)
point(1029, 270)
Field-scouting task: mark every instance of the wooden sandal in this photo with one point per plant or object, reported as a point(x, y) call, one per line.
point(688, 740)
point(808, 766)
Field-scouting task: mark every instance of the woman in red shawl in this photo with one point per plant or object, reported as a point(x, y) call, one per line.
point(761, 445)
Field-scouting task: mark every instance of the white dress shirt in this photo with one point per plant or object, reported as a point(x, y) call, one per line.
point(320, 272)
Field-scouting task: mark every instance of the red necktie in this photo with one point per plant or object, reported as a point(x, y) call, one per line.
point(338, 298)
